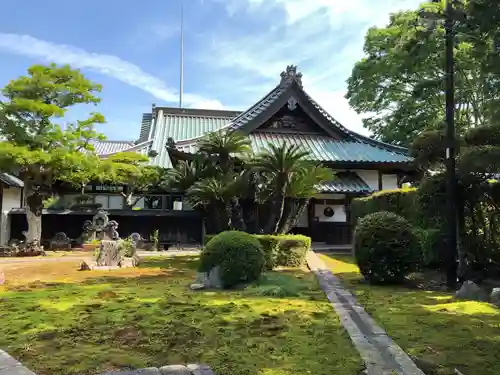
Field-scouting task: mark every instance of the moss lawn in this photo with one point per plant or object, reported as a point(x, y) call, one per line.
point(60, 321)
point(442, 333)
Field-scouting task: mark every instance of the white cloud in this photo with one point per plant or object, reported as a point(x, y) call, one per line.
point(323, 37)
point(108, 65)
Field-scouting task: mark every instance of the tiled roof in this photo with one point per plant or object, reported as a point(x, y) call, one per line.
point(11, 181)
point(322, 148)
point(109, 147)
point(326, 149)
point(184, 125)
point(345, 182)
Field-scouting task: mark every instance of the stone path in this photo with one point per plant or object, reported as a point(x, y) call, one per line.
point(382, 356)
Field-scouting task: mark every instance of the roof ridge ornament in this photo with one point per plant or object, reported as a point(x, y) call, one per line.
point(289, 75)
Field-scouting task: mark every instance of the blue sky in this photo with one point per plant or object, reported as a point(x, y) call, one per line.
point(234, 50)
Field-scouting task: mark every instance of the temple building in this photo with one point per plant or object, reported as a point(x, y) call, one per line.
point(285, 114)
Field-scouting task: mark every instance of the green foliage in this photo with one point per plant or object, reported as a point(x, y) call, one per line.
point(239, 256)
point(399, 201)
point(225, 147)
point(399, 83)
point(226, 184)
point(155, 239)
point(271, 247)
point(433, 245)
point(431, 200)
point(484, 160)
point(386, 247)
point(38, 147)
point(488, 135)
point(279, 164)
point(428, 149)
point(127, 246)
point(49, 202)
point(131, 169)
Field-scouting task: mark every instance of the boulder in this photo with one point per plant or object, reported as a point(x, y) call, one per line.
point(109, 254)
point(206, 280)
point(471, 292)
point(495, 296)
point(214, 280)
point(175, 370)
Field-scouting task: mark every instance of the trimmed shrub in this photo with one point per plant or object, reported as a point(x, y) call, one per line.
point(399, 201)
point(287, 250)
point(271, 246)
point(207, 238)
point(385, 247)
point(238, 254)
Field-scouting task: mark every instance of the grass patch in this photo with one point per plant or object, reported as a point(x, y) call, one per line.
point(443, 334)
point(62, 321)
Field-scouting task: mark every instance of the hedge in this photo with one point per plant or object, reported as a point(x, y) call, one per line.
point(402, 202)
point(286, 250)
point(422, 207)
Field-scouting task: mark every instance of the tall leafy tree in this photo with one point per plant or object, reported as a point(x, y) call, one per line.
point(399, 84)
point(130, 169)
point(36, 146)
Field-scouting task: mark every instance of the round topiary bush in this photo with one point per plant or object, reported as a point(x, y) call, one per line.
point(238, 254)
point(385, 247)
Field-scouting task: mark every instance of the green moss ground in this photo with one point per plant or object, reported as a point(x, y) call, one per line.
point(58, 321)
point(442, 333)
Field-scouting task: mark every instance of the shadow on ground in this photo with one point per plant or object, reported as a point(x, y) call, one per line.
point(442, 333)
point(89, 322)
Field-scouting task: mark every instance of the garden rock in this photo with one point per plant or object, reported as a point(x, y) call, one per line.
point(214, 279)
point(206, 280)
point(174, 370)
point(495, 297)
point(109, 254)
point(471, 292)
point(144, 371)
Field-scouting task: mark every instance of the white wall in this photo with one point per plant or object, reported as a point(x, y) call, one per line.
point(389, 181)
point(11, 199)
point(339, 215)
point(370, 177)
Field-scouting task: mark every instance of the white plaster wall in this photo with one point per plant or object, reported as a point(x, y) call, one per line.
point(338, 217)
point(389, 181)
point(370, 177)
point(11, 199)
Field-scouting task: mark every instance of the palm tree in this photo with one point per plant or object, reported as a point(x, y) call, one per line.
point(301, 188)
point(224, 146)
point(211, 195)
point(279, 163)
point(186, 173)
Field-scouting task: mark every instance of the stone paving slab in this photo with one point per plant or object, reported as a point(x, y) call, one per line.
point(382, 356)
point(9, 366)
point(191, 369)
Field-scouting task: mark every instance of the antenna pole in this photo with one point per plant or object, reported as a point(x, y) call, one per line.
point(181, 83)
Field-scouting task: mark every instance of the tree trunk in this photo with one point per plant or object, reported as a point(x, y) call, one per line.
point(237, 221)
point(299, 210)
point(288, 209)
point(34, 209)
point(277, 206)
